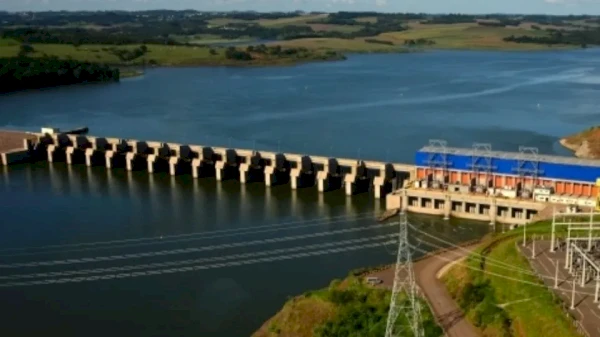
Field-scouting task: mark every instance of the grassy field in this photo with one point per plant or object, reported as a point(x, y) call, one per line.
point(298, 20)
point(157, 54)
point(466, 36)
point(539, 316)
point(445, 36)
point(164, 55)
point(343, 45)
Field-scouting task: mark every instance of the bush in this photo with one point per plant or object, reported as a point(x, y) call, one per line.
point(389, 43)
point(233, 54)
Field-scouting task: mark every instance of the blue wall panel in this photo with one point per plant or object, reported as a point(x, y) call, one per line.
point(509, 166)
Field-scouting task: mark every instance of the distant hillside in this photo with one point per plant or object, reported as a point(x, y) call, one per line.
point(585, 144)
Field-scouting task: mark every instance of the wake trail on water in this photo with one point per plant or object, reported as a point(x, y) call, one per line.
point(167, 239)
point(563, 76)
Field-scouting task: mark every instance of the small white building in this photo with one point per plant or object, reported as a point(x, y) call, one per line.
point(50, 131)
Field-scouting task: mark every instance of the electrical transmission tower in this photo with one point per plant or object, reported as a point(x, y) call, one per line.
point(404, 283)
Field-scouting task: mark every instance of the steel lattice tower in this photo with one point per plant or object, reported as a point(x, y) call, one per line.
point(404, 282)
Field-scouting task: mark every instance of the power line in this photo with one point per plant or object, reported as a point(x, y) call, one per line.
point(404, 282)
point(524, 271)
point(187, 237)
point(188, 250)
point(494, 262)
point(500, 275)
point(191, 261)
point(190, 268)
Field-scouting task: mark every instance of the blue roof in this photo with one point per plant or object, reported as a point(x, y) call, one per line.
point(510, 163)
point(512, 155)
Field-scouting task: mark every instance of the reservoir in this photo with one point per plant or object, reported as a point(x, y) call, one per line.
point(381, 107)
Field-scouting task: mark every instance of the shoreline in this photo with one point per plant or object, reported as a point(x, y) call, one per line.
point(566, 145)
point(427, 267)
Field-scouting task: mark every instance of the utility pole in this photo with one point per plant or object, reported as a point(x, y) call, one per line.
point(533, 248)
point(524, 235)
point(556, 275)
point(597, 288)
point(404, 282)
point(568, 244)
point(553, 228)
point(573, 294)
point(589, 247)
point(583, 276)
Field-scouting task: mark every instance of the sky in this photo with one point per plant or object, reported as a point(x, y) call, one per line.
point(557, 7)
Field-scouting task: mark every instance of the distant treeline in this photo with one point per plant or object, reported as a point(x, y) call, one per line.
point(277, 51)
point(162, 34)
point(110, 18)
point(582, 38)
point(21, 73)
point(170, 27)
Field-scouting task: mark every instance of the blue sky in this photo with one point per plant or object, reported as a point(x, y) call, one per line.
point(429, 6)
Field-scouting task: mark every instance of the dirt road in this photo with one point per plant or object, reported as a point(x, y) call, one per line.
point(448, 314)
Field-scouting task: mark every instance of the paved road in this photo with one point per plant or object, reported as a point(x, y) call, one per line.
point(448, 314)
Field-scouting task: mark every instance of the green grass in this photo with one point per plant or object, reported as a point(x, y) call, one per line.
point(297, 20)
point(343, 45)
point(467, 36)
point(345, 308)
point(445, 36)
point(8, 42)
point(159, 54)
point(540, 316)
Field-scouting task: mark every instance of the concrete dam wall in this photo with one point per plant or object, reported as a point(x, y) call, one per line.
point(245, 165)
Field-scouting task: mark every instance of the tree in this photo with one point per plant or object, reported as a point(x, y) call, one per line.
point(26, 49)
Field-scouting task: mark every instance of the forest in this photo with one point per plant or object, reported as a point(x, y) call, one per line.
point(20, 73)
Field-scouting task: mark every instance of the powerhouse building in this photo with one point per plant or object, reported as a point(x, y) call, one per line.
point(524, 174)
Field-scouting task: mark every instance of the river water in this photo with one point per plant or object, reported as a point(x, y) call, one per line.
point(370, 106)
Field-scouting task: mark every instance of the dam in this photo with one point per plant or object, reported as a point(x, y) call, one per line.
point(244, 165)
point(399, 184)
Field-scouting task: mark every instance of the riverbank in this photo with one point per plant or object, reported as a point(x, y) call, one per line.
point(297, 317)
point(347, 307)
point(584, 144)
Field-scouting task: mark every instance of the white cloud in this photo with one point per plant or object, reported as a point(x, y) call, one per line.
point(381, 3)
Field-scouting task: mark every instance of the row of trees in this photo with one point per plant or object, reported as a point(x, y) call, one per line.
point(23, 72)
point(277, 51)
point(575, 37)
